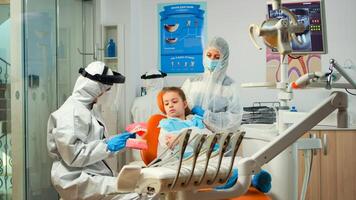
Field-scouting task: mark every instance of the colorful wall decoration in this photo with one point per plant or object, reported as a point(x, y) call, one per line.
point(298, 65)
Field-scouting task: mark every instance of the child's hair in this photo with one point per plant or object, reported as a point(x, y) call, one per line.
point(180, 93)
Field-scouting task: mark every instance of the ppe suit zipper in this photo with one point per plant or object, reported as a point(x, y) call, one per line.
point(112, 174)
point(103, 137)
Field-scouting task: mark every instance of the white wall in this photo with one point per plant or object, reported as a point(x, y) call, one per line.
point(230, 19)
point(119, 12)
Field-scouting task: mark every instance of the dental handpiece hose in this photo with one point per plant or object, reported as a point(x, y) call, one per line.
point(335, 65)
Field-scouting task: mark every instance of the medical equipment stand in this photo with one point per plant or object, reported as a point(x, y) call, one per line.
point(277, 34)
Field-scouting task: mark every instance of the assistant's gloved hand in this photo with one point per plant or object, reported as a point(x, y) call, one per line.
point(197, 121)
point(230, 182)
point(198, 110)
point(118, 142)
point(262, 181)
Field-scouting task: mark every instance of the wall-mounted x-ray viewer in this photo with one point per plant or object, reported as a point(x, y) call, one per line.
point(311, 14)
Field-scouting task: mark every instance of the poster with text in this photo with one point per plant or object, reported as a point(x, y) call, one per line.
point(182, 29)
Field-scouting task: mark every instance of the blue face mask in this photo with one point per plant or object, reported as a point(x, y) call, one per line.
point(212, 64)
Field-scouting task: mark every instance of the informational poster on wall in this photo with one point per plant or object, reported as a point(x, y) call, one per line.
point(182, 29)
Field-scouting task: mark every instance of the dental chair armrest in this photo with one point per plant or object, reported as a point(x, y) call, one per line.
point(128, 178)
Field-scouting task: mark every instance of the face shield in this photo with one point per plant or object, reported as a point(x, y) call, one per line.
point(112, 98)
point(111, 83)
point(153, 80)
point(107, 77)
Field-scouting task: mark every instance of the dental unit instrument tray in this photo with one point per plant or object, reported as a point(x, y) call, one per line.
point(260, 113)
point(193, 161)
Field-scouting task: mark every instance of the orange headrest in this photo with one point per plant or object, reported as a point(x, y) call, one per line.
point(160, 102)
point(151, 138)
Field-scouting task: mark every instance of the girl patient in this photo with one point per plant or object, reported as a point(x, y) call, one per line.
point(178, 117)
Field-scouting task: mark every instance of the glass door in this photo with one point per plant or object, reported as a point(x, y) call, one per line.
point(75, 43)
point(40, 88)
point(5, 119)
point(70, 40)
point(45, 39)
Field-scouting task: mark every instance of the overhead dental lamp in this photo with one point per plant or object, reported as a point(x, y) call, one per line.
point(278, 33)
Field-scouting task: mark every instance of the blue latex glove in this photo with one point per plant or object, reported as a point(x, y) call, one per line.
point(198, 110)
point(118, 142)
point(230, 182)
point(197, 121)
point(262, 181)
point(216, 147)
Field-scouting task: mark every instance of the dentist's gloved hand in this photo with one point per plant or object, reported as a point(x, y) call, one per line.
point(230, 182)
point(262, 181)
point(118, 142)
point(198, 110)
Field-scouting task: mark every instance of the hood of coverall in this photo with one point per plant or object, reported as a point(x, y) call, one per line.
point(86, 90)
point(219, 73)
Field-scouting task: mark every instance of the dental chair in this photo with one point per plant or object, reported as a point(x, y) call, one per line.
point(150, 154)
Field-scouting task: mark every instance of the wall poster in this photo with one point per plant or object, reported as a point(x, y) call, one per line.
point(182, 29)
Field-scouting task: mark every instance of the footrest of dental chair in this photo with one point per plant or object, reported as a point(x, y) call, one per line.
point(253, 194)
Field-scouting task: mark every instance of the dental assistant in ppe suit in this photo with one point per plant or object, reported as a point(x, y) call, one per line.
point(214, 95)
point(76, 140)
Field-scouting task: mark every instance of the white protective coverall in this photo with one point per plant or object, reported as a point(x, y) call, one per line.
point(76, 142)
point(215, 92)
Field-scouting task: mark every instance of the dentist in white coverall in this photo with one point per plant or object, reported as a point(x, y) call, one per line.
point(76, 140)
